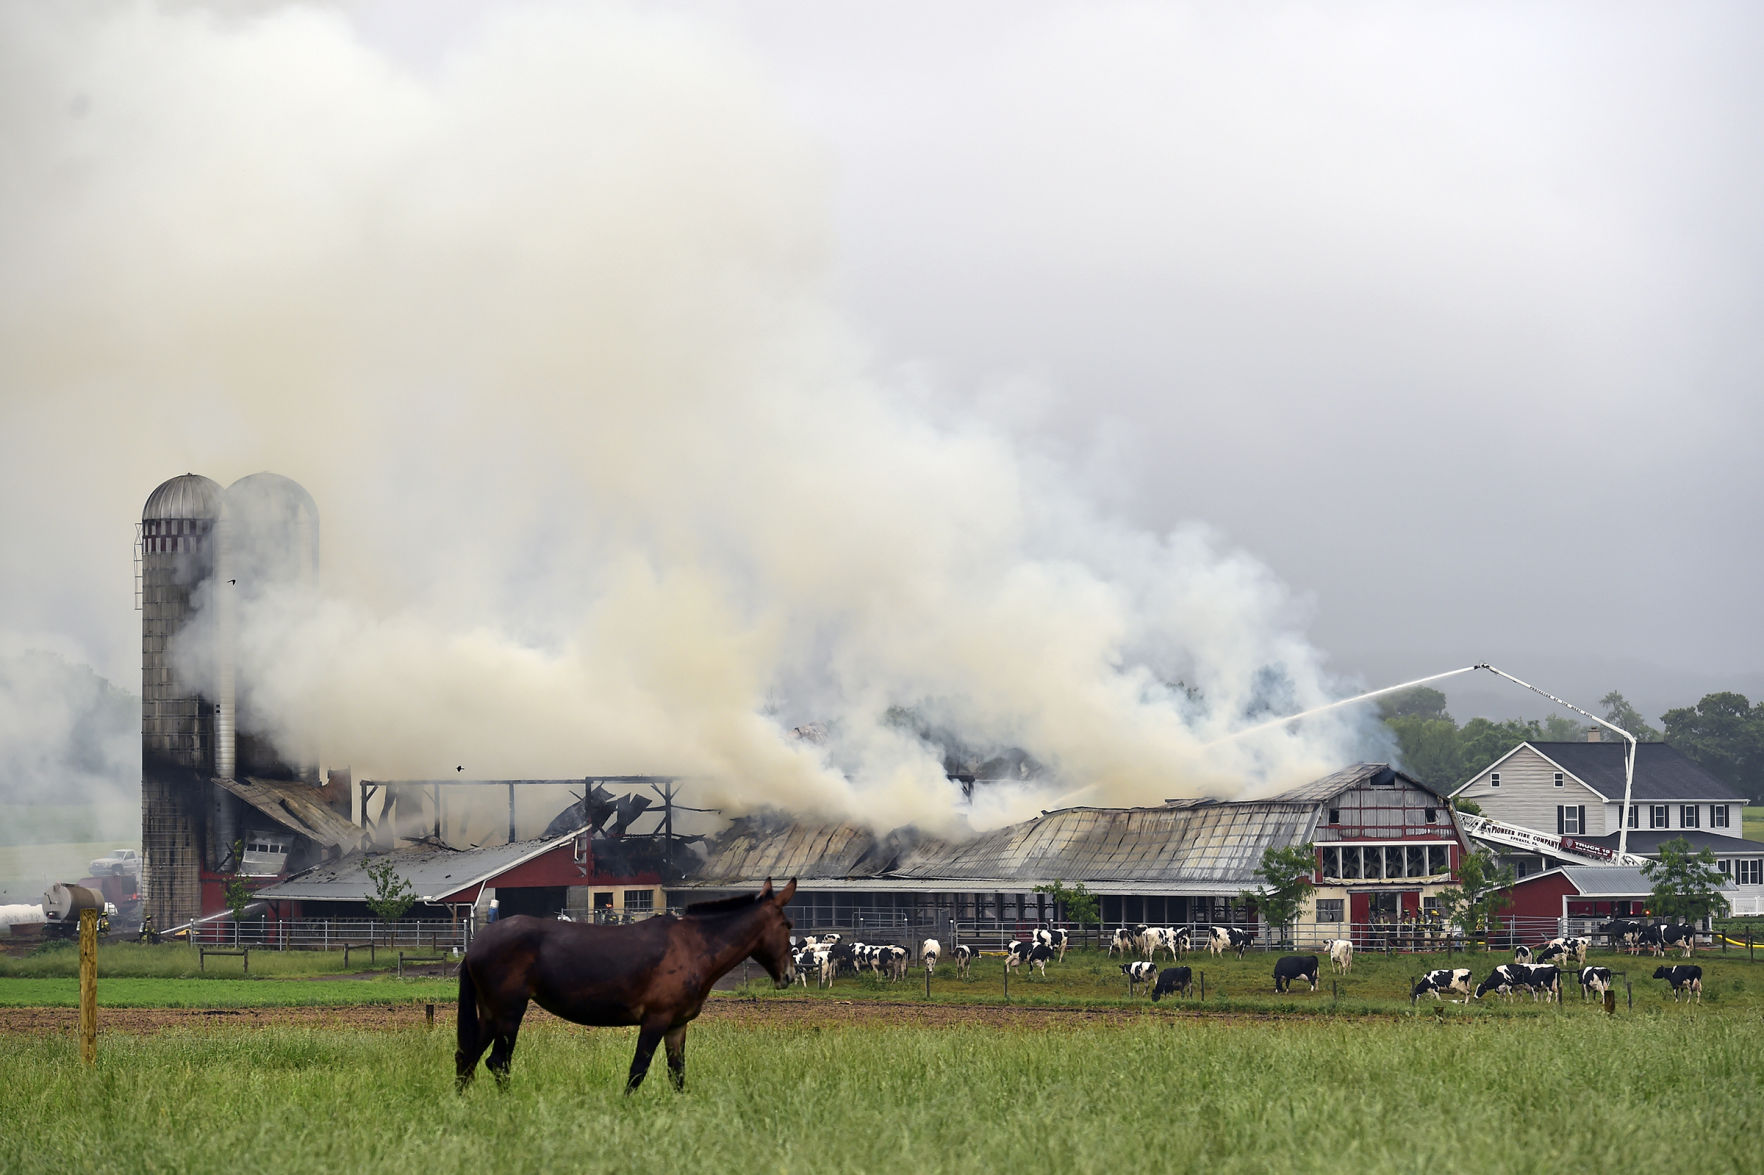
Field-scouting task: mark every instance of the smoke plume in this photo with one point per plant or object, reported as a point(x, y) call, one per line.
point(605, 485)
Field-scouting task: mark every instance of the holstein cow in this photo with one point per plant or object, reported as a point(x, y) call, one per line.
point(1522, 954)
point(1173, 979)
point(1341, 955)
point(1017, 952)
point(1229, 938)
point(964, 957)
point(1650, 937)
point(1054, 940)
point(896, 961)
point(1685, 976)
point(1139, 972)
point(1621, 930)
point(1594, 980)
point(1563, 949)
point(1502, 980)
point(1445, 979)
point(1124, 942)
point(1164, 938)
point(1291, 967)
point(1544, 980)
point(1678, 934)
point(1036, 957)
point(928, 952)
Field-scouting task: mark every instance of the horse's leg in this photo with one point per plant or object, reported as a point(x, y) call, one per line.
point(676, 1045)
point(507, 1029)
point(647, 1038)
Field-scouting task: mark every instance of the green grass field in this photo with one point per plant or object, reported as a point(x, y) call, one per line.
point(1144, 1094)
point(226, 993)
point(177, 961)
point(1752, 823)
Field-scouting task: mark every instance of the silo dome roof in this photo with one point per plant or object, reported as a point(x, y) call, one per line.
point(188, 496)
point(261, 491)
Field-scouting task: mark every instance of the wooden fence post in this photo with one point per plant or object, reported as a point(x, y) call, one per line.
point(89, 986)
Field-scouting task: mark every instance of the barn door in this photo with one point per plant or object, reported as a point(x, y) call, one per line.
point(1359, 914)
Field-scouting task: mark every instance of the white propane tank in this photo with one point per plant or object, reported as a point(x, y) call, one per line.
point(21, 916)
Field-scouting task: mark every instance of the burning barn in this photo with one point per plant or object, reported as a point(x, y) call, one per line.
point(1386, 844)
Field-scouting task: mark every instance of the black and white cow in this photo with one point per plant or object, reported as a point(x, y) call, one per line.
point(1621, 931)
point(1445, 979)
point(929, 952)
point(1017, 952)
point(1163, 938)
point(896, 961)
point(1651, 938)
point(1054, 940)
point(1140, 972)
point(1543, 980)
point(1291, 967)
point(1502, 980)
point(835, 958)
point(1678, 934)
point(1125, 942)
point(1341, 955)
point(964, 958)
point(1229, 938)
point(1173, 979)
point(1594, 981)
point(1036, 957)
point(1687, 977)
point(1522, 954)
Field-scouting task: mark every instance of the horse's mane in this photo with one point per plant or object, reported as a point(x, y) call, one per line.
point(744, 901)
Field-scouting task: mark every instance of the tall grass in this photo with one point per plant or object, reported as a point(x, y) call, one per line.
point(1148, 1094)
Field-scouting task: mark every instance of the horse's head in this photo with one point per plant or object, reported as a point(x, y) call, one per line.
point(773, 950)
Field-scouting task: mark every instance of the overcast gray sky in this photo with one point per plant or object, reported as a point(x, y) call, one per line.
point(1449, 312)
point(1068, 313)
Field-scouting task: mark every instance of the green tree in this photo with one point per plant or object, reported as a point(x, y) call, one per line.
point(1081, 906)
point(1619, 712)
point(1429, 748)
point(392, 894)
point(1558, 728)
point(1687, 885)
point(1480, 895)
point(237, 894)
point(1724, 734)
point(1467, 806)
point(1417, 702)
point(1288, 877)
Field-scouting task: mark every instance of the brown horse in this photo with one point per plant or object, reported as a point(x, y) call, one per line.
point(655, 974)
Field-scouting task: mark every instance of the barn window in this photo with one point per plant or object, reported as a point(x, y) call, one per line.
point(1433, 815)
point(1749, 872)
point(1332, 862)
point(1335, 815)
point(1558, 779)
point(1416, 863)
point(1350, 863)
point(640, 899)
point(1439, 860)
point(1657, 816)
point(1494, 779)
point(1687, 814)
point(1330, 909)
point(1717, 815)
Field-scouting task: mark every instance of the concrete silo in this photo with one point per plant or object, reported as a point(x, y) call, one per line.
point(177, 719)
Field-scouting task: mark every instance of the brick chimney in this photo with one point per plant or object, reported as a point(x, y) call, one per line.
point(1595, 734)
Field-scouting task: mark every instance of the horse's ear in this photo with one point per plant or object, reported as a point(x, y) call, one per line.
point(788, 892)
point(765, 891)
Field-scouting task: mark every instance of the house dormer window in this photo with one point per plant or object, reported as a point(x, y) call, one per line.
point(1657, 816)
point(1718, 816)
point(1558, 779)
point(1687, 816)
point(1494, 779)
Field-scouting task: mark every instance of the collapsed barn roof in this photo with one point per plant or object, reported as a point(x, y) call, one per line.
point(1186, 846)
point(432, 869)
point(297, 806)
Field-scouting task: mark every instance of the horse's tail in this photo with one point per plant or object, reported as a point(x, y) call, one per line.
point(469, 1048)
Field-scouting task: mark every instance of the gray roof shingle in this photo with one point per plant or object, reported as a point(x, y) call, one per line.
point(1661, 771)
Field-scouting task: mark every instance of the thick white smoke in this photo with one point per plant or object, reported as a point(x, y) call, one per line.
point(604, 484)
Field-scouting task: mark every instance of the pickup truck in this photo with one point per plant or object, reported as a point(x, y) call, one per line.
point(116, 863)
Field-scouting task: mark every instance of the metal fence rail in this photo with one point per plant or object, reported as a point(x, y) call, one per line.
point(331, 934)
